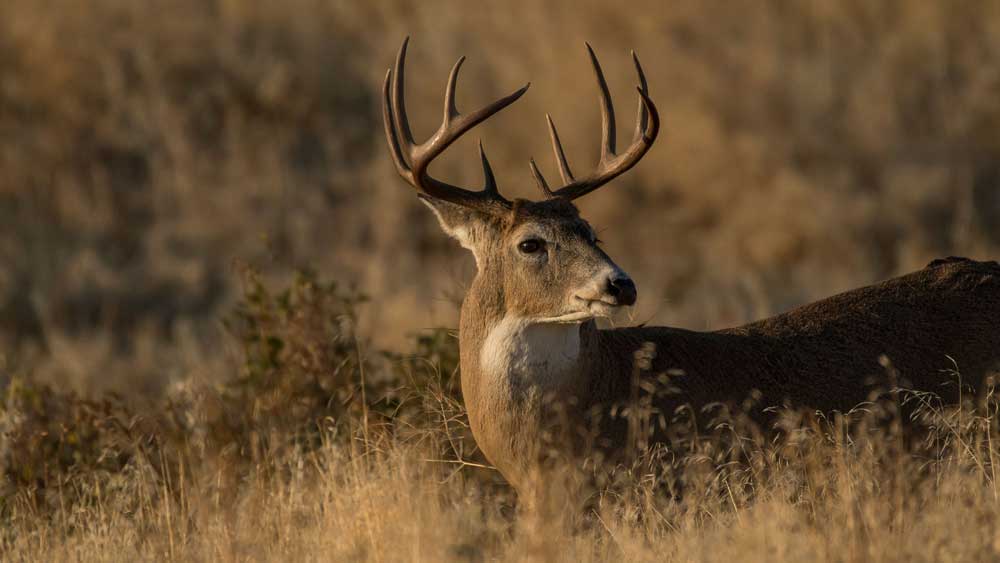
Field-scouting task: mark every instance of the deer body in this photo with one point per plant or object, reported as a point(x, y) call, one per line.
point(823, 356)
point(533, 360)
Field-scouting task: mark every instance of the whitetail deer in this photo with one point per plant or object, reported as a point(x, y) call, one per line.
point(528, 336)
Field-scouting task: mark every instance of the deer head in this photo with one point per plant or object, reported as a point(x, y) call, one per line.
point(542, 255)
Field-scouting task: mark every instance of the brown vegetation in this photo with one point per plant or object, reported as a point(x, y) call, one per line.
point(148, 148)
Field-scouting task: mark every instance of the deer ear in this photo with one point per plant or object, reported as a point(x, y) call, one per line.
point(464, 224)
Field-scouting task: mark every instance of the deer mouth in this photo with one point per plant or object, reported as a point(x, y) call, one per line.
point(600, 307)
point(570, 318)
point(586, 309)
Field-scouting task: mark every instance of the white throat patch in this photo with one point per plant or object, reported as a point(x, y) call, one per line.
point(532, 352)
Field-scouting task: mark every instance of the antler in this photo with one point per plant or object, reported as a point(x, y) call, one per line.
point(611, 164)
point(453, 126)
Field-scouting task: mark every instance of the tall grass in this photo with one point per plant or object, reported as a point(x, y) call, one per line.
point(824, 500)
point(835, 495)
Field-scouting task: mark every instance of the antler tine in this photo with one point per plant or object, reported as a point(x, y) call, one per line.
point(450, 111)
point(540, 180)
point(643, 115)
point(489, 181)
point(608, 134)
point(395, 150)
point(557, 150)
point(398, 99)
point(412, 160)
point(564, 171)
point(611, 164)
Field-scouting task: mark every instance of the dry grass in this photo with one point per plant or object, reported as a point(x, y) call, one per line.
point(837, 495)
point(149, 149)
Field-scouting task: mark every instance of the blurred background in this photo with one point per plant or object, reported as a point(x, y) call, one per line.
point(150, 150)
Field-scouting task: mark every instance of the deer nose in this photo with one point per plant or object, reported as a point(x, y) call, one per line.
point(622, 288)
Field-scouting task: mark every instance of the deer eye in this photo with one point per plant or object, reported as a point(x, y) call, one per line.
point(530, 246)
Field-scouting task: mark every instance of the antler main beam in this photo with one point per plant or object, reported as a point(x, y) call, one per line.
point(611, 164)
point(412, 160)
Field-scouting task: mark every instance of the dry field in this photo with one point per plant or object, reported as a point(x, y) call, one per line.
point(224, 320)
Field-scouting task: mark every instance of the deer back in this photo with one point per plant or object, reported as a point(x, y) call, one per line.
point(936, 326)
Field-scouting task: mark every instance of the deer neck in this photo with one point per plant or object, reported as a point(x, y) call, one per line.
point(512, 369)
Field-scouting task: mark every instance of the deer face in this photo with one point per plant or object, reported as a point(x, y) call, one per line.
point(554, 269)
point(545, 257)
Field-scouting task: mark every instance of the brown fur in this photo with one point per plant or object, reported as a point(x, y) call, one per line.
point(824, 355)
